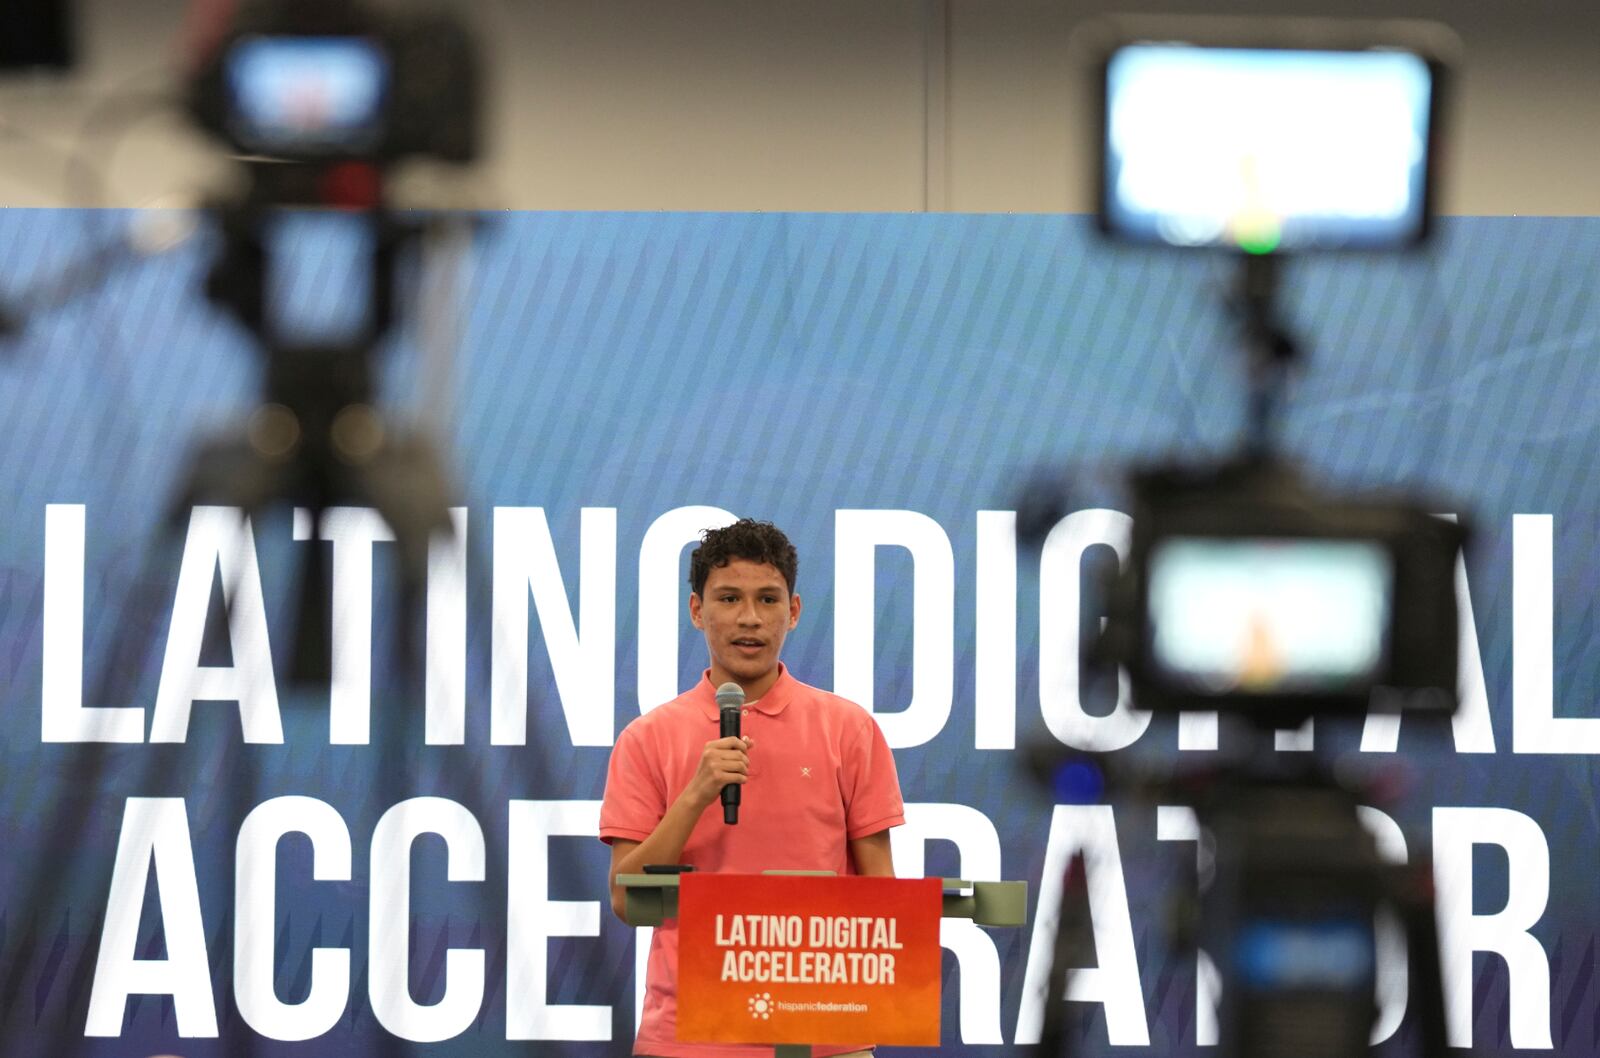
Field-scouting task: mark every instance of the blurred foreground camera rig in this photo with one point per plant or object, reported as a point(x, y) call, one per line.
point(1248, 591)
point(320, 100)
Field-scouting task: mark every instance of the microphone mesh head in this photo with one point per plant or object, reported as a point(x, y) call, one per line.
point(730, 696)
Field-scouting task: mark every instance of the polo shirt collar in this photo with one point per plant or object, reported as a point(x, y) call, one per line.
point(771, 704)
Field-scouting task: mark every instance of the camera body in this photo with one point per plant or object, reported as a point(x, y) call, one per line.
point(1249, 591)
point(298, 81)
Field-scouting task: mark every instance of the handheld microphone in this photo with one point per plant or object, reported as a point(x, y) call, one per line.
point(730, 701)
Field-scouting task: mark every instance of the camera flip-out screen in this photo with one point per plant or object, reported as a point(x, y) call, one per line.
point(1261, 615)
point(1247, 590)
point(307, 95)
point(1267, 149)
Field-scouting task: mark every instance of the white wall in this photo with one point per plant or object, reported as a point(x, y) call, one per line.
point(968, 105)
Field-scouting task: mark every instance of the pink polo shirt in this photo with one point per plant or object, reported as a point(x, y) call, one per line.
point(821, 774)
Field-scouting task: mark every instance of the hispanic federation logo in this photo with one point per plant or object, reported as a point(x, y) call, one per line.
point(761, 1006)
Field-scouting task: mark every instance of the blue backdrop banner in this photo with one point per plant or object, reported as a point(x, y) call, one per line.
point(204, 858)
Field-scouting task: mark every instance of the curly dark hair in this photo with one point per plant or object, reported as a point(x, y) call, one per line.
point(748, 539)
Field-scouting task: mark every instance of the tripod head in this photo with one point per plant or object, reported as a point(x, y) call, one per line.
point(1292, 913)
point(317, 439)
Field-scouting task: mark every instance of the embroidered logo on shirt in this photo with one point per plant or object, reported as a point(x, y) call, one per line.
point(805, 773)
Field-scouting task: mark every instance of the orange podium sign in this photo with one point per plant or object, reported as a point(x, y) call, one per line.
point(806, 959)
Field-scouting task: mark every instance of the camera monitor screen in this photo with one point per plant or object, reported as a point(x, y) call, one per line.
point(1265, 616)
point(307, 95)
point(1266, 149)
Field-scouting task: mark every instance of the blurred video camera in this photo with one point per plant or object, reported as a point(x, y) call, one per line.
point(321, 100)
point(1249, 591)
point(305, 81)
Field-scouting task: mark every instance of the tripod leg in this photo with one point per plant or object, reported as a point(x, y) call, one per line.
point(1074, 947)
point(1416, 905)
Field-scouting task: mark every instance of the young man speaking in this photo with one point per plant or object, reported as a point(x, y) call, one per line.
point(819, 789)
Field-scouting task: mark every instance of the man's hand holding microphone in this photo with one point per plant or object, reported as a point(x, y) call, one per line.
point(725, 762)
point(724, 767)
